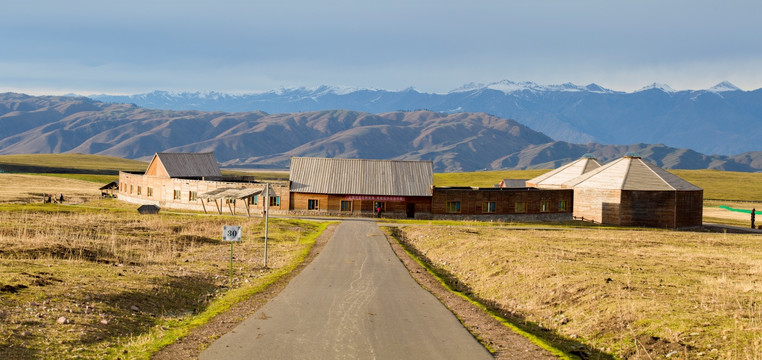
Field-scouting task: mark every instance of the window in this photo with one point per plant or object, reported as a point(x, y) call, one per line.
point(346, 205)
point(149, 191)
point(274, 200)
point(313, 204)
point(379, 204)
point(544, 205)
point(256, 199)
point(562, 205)
point(453, 206)
point(140, 190)
point(130, 188)
point(488, 207)
point(177, 195)
point(520, 207)
point(192, 196)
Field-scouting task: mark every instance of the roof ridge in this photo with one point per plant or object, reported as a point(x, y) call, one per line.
point(657, 175)
point(626, 171)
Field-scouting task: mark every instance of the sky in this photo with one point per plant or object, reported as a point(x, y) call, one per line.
point(125, 47)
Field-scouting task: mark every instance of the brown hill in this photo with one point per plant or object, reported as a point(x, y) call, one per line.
point(454, 142)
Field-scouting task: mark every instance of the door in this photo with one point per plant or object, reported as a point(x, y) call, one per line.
point(410, 211)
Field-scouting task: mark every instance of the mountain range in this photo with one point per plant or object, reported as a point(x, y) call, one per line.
point(460, 141)
point(721, 120)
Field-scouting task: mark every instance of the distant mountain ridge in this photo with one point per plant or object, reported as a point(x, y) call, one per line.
point(452, 141)
point(720, 120)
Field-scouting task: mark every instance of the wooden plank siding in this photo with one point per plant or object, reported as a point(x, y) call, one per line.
point(472, 200)
point(330, 204)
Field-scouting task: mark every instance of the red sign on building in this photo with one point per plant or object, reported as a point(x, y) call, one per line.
point(375, 198)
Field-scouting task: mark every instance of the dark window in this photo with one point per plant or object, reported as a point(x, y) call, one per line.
point(544, 205)
point(274, 200)
point(313, 204)
point(453, 206)
point(346, 205)
point(177, 195)
point(192, 196)
point(488, 207)
point(520, 207)
point(562, 205)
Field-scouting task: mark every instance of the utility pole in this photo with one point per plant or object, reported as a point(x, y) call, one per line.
point(267, 216)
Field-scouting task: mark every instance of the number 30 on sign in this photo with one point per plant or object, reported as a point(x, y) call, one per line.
point(231, 233)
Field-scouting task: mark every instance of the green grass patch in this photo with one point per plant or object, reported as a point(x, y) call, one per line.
point(725, 185)
point(483, 178)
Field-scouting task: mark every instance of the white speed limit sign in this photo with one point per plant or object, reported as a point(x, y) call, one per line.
point(231, 233)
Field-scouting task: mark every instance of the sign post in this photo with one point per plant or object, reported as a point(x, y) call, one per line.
point(232, 234)
point(267, 216)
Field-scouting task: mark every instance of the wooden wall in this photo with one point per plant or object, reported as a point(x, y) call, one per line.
point(472, 199)
point(589, 205)
point(659, 209)
point(331, 205)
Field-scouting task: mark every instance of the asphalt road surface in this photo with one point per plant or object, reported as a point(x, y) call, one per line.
point(354, 301)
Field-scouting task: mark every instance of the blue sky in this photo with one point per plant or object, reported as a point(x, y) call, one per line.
point(120, 47)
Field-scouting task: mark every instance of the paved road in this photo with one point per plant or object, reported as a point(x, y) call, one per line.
point(354, 301)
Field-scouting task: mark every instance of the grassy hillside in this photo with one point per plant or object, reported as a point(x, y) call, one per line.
point(483, 178)
point(717, 185)
point(68, 164)
point(725, 185)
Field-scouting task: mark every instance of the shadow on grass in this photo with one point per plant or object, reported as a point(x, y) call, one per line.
point(567, 345)
point(134, 313)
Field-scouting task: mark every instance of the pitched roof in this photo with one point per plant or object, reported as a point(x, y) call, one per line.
point(512, 183)
point(185, 165)
point(555, 178)
point(631, 173)
point(361, 177)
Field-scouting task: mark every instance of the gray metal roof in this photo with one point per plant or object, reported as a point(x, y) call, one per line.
point(361, 177)
point(189, 164)
point(631, 173)
point(230, 193)
point(555, 178)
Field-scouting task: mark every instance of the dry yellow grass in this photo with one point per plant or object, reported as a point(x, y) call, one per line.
point(632, 294)
point(119, 278)
point(19, 188)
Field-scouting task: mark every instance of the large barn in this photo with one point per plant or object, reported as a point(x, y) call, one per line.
point(357, 187)
point(633, 192)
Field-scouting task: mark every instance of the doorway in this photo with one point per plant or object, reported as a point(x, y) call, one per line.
point(410, 211)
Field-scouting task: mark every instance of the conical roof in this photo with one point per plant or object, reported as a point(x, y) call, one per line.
point(631, 173)
point(557, 177)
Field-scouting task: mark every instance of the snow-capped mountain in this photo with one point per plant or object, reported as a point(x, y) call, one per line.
point(721, 120)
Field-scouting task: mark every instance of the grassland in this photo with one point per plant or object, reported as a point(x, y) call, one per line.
point(483, 178)
point(68, 163)
point(96, 280)
point(631, 294)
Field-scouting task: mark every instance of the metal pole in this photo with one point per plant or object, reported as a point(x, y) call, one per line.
point(231, 263)
point(267, 216)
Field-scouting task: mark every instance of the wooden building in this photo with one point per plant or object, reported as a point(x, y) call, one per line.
point(193, 181)
point(556, 178)
point(518, 204)
point(355, 187)
point(632, 192)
